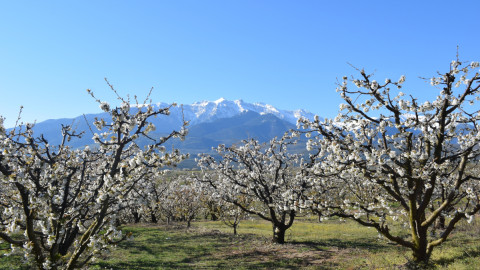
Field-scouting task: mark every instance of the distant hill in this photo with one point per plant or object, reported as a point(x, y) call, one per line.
point(202, 137)
point(211, 123)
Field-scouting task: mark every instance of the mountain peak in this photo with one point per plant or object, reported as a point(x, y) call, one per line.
point(220, 100)
point(207, 111)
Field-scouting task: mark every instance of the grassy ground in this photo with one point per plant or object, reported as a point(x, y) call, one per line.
point(329, 245)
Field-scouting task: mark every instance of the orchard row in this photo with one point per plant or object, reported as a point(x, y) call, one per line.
point(385, 161)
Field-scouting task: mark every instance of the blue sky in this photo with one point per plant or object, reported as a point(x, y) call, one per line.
point(284, 53)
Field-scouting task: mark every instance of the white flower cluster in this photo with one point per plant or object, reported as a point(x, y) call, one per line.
point(263, 174)
point(420, 158)
point(66, 202)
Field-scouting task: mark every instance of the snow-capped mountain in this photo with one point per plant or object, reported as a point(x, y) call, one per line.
point(208, 111)
point(210, 123)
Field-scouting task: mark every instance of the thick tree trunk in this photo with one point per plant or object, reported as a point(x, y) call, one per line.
point(278, 235)
point(235, 229)
point(420, 253)
point(136, 217)
point(153, 218)
point(421, 256)
point(189, 220)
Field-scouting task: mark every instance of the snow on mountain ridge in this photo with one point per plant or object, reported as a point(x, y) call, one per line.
point(208, 111)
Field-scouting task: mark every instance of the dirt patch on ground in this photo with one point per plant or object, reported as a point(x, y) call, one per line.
point(300, 254)
point(253, 248)
point(253, 251)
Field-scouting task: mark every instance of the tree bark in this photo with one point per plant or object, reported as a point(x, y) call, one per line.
point(420, 252)
point(278, 235)
point(136, 216)
point(153, 218)
point(421, 256)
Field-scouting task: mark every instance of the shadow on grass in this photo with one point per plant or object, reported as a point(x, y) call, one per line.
point(256, 259)
point(181, 248)
point(467, 254)
point(366, 244)
point(184, 249)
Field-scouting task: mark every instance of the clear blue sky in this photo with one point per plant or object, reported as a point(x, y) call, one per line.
point(284, 53)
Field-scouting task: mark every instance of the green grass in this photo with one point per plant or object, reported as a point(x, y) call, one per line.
point(12, 261)
point(311, 245)
point(331, 244)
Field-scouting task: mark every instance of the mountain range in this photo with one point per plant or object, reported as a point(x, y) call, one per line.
point(210, 123)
